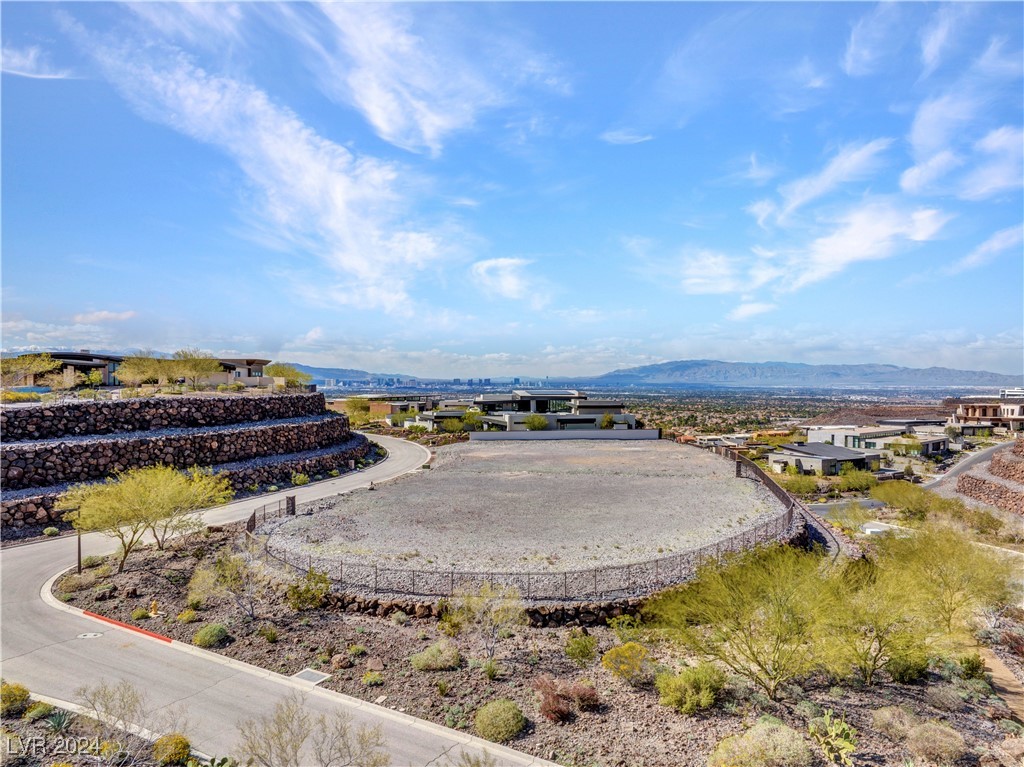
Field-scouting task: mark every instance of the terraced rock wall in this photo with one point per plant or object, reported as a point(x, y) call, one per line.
point(1010, 464)
point(1002, 484)
point(145, 414)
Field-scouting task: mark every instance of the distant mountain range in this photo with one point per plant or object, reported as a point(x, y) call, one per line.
point(754, 374)
point(345, 374)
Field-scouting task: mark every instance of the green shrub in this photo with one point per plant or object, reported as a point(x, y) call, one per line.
point(334, 473)
point(188, 615)
point(268, 632)
point(856, 480)
point(936, 742)
point(802, 484)
point(626, 628)
point(944, 698)
point(356, 650)
point(19, 396)
point(300, 479)
point(972, 666)
point(894, 722)
point(309, 591)
point(490, 669)
point(140, 614)
point(535, 422)
point(373, 679)
point(14, 698)
point(92, 561)
point(581, 648)
point(766, 744)
point(499, 721)
point(38, 710)
point(627, 661)
point(441, 656)
point(50, 531)
point(210, 635)
point(399, 618)
point(907, 668)
point(173, 748)
point(692, 689)
point(836, 738)
point(808, 709)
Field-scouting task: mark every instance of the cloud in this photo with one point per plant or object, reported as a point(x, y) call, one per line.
point(869, 232)
point(1003, 240)
point(871, 40)
point(507, 277)
point(206, 24)
point(1003, 168)
point(940, 119)
point(30, 62)
point(921, 177)
point(759, 172)
point(89, 318)
point(761, 210)
point(308, 194)
point(708, 272)
point(935, 37)
point(625, 136)
point(415, 77)
point(852, 162)
point(750, 309)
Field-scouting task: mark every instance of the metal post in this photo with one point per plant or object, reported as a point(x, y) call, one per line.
point(565, 585)
point(79, 531)
point(451, 583)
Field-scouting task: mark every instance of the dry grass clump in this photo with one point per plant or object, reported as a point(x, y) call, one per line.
point(766, 744)
point(894, 722)
point(937, 743)
point(440, 656)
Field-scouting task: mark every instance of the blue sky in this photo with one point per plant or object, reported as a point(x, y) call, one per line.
point(503, 189)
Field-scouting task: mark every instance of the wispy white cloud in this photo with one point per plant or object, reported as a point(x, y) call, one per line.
point(921, 177)
point(508, 278)
point(936, 36)
point(758, 171)
point(871, 231)
point(1010, 238)
point(30, 62)
point(708, 272)
point(871, 40)
point(851, 163)
point(210, 25)
point(750, 309)
point(416, 79)
point(1002, 166)
point(940, 119)
point(90, 318)
point(310, 195)
point(761, 210)
point(625, 136)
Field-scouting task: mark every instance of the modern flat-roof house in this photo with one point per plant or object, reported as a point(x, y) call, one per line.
point(1003, 412)
point(564, 409)
point(85, 362)
point(820, 458)
point(243, 371)
point(890, 438)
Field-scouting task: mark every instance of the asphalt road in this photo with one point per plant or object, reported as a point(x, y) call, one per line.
point(45, 648)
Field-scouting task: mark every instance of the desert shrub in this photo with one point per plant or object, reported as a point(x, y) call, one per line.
point(140, 614)
point(585, 696)
point(309, 591)
point(356, 650)
point(19, 396)
point(69, 584)
point(554, 705)
point(944, 698)
point(268, 632)
point(856, 480)
point(692, 689)
point(801, 484)
point(893, 721)
point(188, 615)
point(972, 666)
point(373, 679)
point(836, 739)
point(37, 710)
point(808, 709)
point(50, 531)
point(766, 744)
point(440, 656)
point(210, 635)
point(92, 561)
point(908, 667)
point(936, 742)
point(173, 748)
point(581, 648)
point(490, 669)
point(627, 661)
point(627, 628)
point(499, 721)
point(299, 478)
point(399, 618)
point(14, 698)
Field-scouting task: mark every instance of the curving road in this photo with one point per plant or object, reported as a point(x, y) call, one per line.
point(42, 646)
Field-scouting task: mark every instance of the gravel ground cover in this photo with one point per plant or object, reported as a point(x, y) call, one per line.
point(629, 728)
point(542, 506)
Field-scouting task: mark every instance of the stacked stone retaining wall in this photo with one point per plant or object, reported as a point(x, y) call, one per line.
point(41, 464)
point(993, 493)
point(1009, 464)
point(146, 414)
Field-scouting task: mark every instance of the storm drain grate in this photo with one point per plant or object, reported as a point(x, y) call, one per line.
point(311, 675)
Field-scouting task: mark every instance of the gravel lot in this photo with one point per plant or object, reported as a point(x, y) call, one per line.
point(540, 506)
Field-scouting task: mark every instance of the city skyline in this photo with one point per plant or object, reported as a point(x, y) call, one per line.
point(516, 189)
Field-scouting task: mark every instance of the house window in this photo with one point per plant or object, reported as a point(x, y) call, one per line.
point(238, 374)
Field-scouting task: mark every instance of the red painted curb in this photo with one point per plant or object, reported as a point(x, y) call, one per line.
point(128, 626)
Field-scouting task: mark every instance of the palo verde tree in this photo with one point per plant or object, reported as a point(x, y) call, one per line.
point(194, 364)
point(293, 377)
point(535, 422)
point(487, 612)
point(173, 497)
point(238, 575)
point(757, 613)
point(16, 369)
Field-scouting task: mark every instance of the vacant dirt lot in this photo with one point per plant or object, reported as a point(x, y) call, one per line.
point(544, 506)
